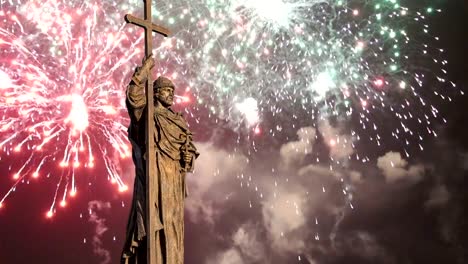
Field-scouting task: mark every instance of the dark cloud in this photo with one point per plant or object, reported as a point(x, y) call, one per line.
point(439, 196)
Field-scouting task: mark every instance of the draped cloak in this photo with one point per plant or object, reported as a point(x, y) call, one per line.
point(172, 137)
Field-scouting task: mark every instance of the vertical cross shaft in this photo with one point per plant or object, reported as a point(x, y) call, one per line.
point(151, 182)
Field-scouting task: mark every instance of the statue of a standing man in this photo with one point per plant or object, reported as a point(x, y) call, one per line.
point(175, 156)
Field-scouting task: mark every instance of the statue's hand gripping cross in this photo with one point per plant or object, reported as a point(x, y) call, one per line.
point(151, 196)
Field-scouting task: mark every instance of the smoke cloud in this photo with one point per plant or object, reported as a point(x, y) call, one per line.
point(100, 228)
point(395, 168)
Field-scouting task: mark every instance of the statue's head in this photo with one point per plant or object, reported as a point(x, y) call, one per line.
point(164, 91)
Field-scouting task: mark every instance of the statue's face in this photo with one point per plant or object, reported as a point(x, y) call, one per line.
point(165, 95)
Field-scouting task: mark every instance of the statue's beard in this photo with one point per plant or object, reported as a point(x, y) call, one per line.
point(166, 101)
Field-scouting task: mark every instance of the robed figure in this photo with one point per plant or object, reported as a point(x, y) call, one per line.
point(175, 156)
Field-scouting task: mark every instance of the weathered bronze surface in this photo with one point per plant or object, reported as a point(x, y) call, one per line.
point(155, 229)
point(175, 156)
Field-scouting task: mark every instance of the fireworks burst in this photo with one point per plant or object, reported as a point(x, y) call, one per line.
point(64, 66)
point(347, 60)
point(61, 86)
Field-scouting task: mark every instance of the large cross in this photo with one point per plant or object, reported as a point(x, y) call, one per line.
point(150, 158)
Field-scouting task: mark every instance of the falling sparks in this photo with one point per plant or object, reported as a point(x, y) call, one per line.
point(60, 86)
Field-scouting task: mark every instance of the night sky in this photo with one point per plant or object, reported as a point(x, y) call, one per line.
point(240, 211)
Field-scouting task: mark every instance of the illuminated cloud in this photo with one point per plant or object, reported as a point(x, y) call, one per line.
point(395, 168)
point(207, 185)
point(293, 153)
point(340, 145)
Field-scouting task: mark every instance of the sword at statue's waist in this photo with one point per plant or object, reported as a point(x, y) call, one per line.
point(185, 151)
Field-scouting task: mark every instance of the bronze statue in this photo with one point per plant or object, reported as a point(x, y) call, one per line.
point(175, 156)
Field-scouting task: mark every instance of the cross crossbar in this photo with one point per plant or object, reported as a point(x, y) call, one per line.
point(147, 25)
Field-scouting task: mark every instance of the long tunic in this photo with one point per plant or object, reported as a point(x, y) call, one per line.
point(172, 137)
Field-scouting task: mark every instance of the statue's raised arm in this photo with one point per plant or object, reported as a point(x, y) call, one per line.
point(136, 98)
